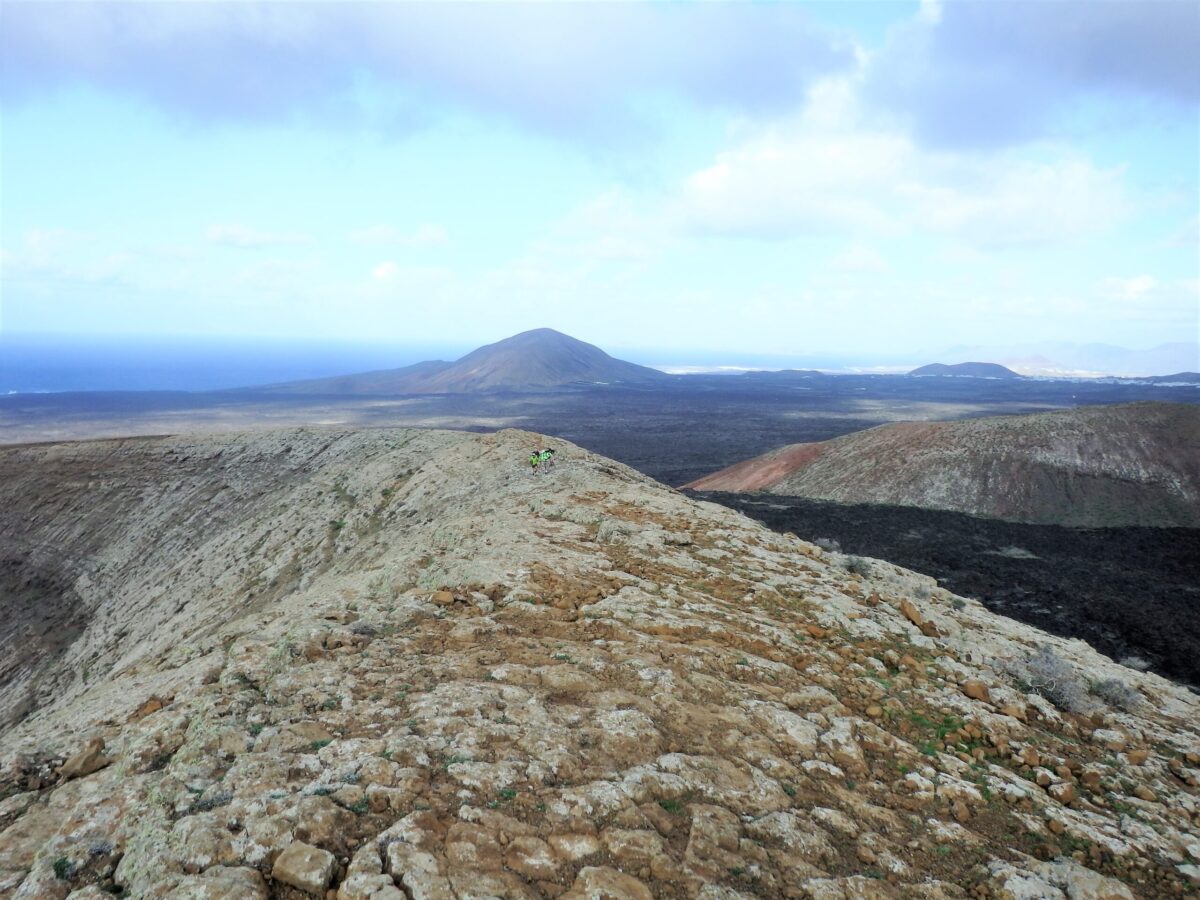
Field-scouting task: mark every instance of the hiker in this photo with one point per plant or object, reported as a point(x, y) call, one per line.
point(547, 459)
point(534, 458)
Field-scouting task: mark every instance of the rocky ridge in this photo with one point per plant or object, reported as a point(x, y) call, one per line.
point(1123, 464)
point(388, 664)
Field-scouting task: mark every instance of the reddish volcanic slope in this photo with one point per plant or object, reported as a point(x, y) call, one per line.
point(1130, 464)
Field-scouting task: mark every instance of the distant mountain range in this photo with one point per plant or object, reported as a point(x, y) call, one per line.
point(531, 360)
point(1063, 358)
point(966, 369)
point(1126, 464)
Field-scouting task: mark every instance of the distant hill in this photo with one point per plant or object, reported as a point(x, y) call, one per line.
point(780, 374)
point(1128, 464)
point(1064, 359)
point(1177, 378)
point(967, 370)
point(542, 358)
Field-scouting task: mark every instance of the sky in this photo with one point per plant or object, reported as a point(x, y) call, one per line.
point(757, 178)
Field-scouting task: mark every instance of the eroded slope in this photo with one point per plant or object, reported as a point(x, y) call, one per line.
point(1128, 464)
point(482, 683)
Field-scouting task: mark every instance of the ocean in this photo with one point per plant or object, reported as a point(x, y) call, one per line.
point(50, 363)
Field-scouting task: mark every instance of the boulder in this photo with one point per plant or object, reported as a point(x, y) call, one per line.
point(305, 867)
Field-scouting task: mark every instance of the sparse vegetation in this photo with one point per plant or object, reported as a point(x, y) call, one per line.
point(829, 545)
point(1046, 673)
point(856, 565)
point(1116, 692)
point(63, 869)
point(380, 588)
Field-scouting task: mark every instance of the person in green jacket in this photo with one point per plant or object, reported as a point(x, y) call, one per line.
point(534, 458)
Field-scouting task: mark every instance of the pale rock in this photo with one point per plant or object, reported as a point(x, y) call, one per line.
point(1010, 883)
point(532, 858)
point(835, 819)
point(798, 836)
point(221, 883)
point(574, 847)
point(636, 849)
point(604, 883)
point(469, 846)
point(204, 841)
point(795, 732)
point(811, 697)
point(418, 872)
point(365, 879)
point(305, 867)
point(842, 746)
point(1110, 739)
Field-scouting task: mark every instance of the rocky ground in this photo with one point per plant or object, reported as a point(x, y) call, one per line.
point(1131, 593)
point(394, 664)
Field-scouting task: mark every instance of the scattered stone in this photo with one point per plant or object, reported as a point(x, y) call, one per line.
point(976, 690)
point(153, 705)
point(532, 858)
point(604, 883)
point(1063, 792)
point(88, 760)
point(1110, 739)
point(909, 611)
point(305, 867)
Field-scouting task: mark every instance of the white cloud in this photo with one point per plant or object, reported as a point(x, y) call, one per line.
point(859, 258)
point(245, 237)
point(427, 234)
point(1188, 234)
point(1131, 289)
point(998, 74)
point(43, 247)
point(548, 65)
point(385, 271)
point(782, 184)
point(930, 12)
point(827, 170)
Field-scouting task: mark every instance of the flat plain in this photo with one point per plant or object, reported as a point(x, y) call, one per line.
point(688, 427)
